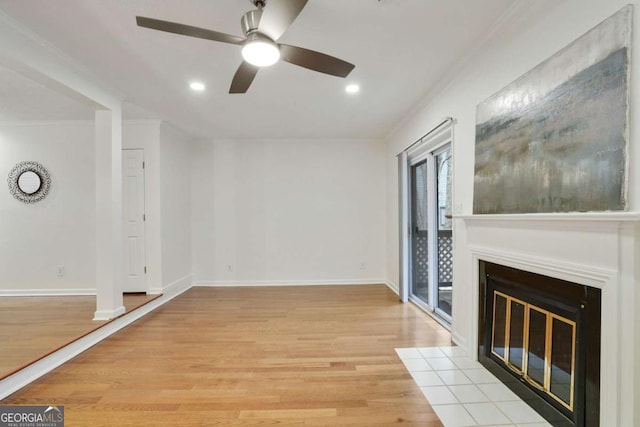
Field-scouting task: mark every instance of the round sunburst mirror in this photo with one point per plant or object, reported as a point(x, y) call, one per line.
point(29, 182)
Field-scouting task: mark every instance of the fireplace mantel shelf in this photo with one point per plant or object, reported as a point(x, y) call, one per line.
point(573, 217)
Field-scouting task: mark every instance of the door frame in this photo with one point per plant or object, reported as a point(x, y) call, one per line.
point(432, 144)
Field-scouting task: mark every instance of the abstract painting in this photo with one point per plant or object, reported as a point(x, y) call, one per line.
point(555, 140)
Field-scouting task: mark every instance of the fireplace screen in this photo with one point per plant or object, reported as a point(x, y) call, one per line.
point(537, 345)
point(541, 337)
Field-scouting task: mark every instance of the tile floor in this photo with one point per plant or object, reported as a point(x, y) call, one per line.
point(462, 392)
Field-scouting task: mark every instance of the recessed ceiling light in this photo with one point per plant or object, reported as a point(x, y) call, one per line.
point(197, 86)
point(352, 88)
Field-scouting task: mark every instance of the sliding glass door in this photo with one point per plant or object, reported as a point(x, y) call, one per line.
point(419, 233)
point(444, 242)
point(431, 232)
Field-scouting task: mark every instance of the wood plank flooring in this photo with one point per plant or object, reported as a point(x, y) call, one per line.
point(285, 356)
point(32, 327)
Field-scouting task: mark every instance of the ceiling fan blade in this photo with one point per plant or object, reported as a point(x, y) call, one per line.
point(278, 15)
point(315, 61)
point(187, 30)
point(243, 77)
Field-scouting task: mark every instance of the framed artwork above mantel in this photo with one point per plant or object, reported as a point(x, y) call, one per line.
point(556, 139)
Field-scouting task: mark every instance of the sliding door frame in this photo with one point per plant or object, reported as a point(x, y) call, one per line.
point(427, 148)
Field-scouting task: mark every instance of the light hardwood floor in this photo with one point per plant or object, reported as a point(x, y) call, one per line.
point(285, 356)
point(32, 327)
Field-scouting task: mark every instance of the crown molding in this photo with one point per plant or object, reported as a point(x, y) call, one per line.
point(502, 24)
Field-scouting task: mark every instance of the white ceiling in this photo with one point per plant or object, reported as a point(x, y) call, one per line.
point(22, 99)
point(402, 49)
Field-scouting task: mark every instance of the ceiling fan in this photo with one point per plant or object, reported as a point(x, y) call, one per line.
point(262, 28)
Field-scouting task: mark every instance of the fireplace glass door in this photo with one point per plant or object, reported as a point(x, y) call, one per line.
point(537, 345)
point(541, 337)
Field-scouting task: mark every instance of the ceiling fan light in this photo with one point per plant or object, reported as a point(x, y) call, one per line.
point(260, 52)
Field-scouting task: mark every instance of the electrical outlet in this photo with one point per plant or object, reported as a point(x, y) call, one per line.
point(60, 270)
point(230, 267)
point(362, 266)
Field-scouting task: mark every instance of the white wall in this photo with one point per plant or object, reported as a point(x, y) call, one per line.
point(288, 211)
point(175, 206)
point(528, 38)
point(59, 230)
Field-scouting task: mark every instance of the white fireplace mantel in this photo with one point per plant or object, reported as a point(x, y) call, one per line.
point(555, 217)
point(600, 250)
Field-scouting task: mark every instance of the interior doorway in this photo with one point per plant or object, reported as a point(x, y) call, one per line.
point(133, 224)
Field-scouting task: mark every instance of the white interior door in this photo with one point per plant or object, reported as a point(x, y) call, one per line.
point(133, 221)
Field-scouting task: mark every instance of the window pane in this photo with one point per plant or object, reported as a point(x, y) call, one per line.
point(516, 335)
point(445, 231)
point(419, 240)
point(499, 324)
point(537, 336)
point(562, 360)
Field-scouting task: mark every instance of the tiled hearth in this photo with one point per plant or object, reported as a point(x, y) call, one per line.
point(462, 392)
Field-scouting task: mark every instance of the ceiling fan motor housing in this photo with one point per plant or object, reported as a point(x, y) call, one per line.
point(250, 21)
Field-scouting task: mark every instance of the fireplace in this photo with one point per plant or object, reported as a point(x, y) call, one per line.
point(541, 337)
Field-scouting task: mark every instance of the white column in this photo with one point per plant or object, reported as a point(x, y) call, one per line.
point(109, 262)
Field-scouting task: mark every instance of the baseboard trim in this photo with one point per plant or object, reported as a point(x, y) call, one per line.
point(393, 287)
point(460, 341)
point(109, 314)
point(257, 283)
point(182, 283)
point(45, 292)
point(32, 372)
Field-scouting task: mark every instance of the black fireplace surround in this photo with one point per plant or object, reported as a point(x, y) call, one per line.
point(541, 337)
